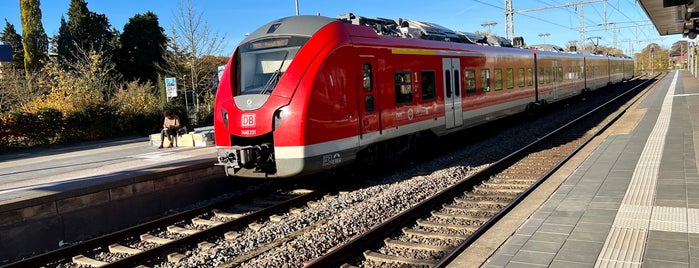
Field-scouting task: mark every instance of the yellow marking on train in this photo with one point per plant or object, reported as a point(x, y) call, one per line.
point(410, 51)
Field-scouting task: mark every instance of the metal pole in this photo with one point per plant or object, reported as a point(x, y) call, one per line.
point(297, 7)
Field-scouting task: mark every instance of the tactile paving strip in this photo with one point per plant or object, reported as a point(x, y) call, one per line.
point(625, 243)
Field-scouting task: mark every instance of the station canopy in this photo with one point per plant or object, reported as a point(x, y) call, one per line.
point(673, 16)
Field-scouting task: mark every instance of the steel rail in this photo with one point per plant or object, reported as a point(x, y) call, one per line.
point(340, 254)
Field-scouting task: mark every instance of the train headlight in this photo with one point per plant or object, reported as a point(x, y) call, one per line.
point(279, 115)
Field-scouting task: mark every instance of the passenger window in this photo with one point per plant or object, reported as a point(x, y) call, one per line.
point(510, 78)
point(541, 76)
point(548, 76)
point(530, 77)
point(447, 82)
point(457, 83)
point(485, 80)
point(520, 77)
point(366, 73)
point(470, 81)
point(498, 78)
point(403, 87)
point(428, 85)
point(560, 73)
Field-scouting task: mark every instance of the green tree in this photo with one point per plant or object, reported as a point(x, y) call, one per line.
point(85, 30)
point(141, 48)
point(10, 37)
point(34, 39)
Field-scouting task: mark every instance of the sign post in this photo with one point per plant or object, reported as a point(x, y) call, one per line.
point(170, 87)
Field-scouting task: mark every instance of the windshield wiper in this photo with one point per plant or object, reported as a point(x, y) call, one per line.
point(272, 82)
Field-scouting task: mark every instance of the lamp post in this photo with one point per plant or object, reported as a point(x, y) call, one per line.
point(544, 35)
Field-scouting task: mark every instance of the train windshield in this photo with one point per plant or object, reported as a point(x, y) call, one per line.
point(262, 62)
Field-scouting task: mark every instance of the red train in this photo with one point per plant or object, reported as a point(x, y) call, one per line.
point(307, 94)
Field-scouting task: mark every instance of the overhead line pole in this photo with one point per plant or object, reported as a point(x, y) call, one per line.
point(509, 16)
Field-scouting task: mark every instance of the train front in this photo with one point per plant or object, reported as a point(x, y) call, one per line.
point(254, 99)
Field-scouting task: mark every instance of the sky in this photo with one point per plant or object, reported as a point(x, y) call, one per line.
point(234, 18)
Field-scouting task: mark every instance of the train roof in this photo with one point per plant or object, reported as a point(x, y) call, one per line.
point(297, 25)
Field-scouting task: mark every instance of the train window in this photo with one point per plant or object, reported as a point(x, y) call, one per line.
point(510, 78)
point(366, 73)
point(457, 83)
point(498, 78)
point(530, 77)
point(429, 85)
point(470, 81)
point(541, 76)
point(403, 87)
point(485, 80)
point(447, 83)
point(520, 77)
point(560, 73)
point(548, 76)
point(369, 103)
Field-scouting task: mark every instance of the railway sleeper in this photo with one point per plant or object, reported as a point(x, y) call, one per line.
point(179, 230)
point(504, 192)
point(154, 239)
point(379, 257)
point(83, 260)
point(175, 257)
point(118, 248)
point(205, 222)
point(485, 209)
point(459, 227)
point(227, 215)
point(466, 200)
point(403, 244)
point(506, 185)
point(432, 235)
point(443, 215)
point(480, 197)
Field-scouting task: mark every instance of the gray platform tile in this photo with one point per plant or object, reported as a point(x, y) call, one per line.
point(671, 202)
point(671, 236)
point(565, 229)
point(523, 265)
point(596, 215)
point(518, 240)
point(693, 203)
point(593, 227)
point(532, 257)
point(604, 205)
point(540, 246)
point(577, 235)
point(667, 256)
point(666, 244)
point(498, 260)
point(509, 249)
point(568, 264)
point(608, 199)
point(573, 204)
point(548, 237)
point(580, 251)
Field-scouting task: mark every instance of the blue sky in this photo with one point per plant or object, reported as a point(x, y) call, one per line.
point(235, 18)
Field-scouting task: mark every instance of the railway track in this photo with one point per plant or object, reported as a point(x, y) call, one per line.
point(434, 232)
point(164, 239)
point(428, 233)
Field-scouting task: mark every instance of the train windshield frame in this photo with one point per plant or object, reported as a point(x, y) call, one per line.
point(262, 62)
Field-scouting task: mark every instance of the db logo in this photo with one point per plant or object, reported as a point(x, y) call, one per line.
point(247, 120)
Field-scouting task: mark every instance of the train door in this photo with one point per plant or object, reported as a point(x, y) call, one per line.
point(452, 92)
point(555, 79)
point(369, 113)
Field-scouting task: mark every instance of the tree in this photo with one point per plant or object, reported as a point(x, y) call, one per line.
point(35, 41)
point(142, 44)
point(192, 35)
point(13, 39)
point(84, 30)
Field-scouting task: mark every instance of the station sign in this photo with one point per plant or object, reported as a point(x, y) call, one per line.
point(171, 87)
point(5, 53)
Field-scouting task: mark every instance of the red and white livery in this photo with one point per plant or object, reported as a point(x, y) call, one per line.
point(306, 94)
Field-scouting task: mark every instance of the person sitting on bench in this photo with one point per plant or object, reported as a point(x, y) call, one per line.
point(170, 127)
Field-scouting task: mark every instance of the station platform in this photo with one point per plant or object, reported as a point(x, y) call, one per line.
point(35, 173)
point(632, 201)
